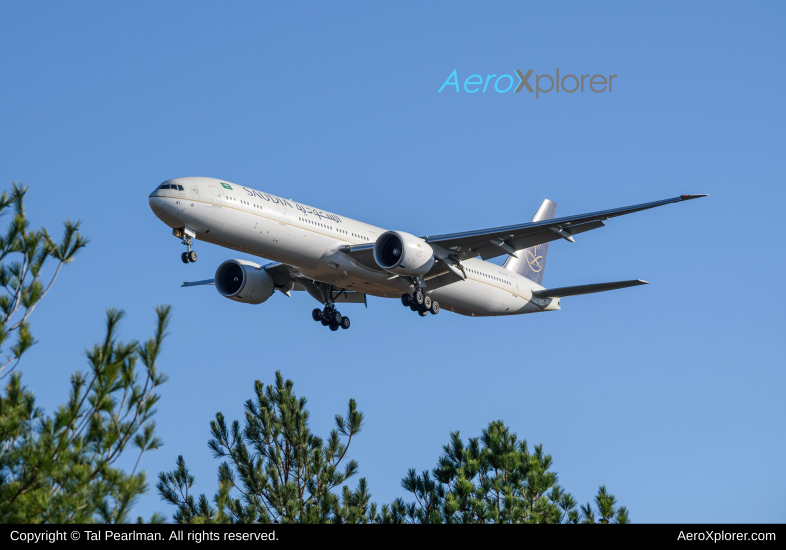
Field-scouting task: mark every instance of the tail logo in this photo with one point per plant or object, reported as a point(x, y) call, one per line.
point(535, 262)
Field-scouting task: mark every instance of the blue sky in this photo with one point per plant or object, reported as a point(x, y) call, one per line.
point(672, 395)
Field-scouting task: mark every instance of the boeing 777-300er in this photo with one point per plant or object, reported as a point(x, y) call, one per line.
point(339, 260)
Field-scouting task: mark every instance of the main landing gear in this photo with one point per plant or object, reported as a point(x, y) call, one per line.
point(330, 316)
point(421, 303)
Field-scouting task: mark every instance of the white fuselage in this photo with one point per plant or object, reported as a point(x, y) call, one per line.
point(260, 224)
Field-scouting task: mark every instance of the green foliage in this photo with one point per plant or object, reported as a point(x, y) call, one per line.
point(606, 506)
point(61, 468)
point(23, 253)
point(281, 472)
point(276, 471)
point(494, 479)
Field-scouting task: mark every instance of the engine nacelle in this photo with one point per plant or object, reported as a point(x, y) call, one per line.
point(244, 282)
point(403, 253)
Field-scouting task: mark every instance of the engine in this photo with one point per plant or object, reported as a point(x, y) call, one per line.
point(244, 282)
point(402, 253)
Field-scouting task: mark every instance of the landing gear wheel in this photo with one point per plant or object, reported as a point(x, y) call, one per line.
point(434, 307)
point(316, 315)
point(406, 299)
point(325, 322)
point(422, 312)
point(189, 255)
point(336, 318)
point(333, 327)
point(427, 303)
point(418, 298)
point(413, 306)
point(345, 322)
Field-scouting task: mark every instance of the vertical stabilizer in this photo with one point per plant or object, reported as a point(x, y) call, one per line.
point(531, 262)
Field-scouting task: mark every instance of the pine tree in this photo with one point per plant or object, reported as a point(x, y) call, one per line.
point(606, 505)
point(21, 289)
point(275, 469)
point(494, 479)
point(61, 468)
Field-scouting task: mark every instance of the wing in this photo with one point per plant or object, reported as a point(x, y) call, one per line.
point(199, 283)
point(287, 278)
point(443, 273)
point(284, 278)
point(490, 243)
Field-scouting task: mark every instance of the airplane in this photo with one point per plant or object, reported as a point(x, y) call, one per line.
point(339, 260)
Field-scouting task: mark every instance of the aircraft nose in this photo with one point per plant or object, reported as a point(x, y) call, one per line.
point(165, 201)
point(156, 204)
point(156, 198)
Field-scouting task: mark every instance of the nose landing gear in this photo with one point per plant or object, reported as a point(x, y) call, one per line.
point(188, 257)
point(186, 233)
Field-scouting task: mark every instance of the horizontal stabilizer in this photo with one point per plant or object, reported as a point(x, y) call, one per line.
point(198, 283)
point(585, 289)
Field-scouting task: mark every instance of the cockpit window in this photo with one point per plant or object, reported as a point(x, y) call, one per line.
point(179, 188)
point(165, 186)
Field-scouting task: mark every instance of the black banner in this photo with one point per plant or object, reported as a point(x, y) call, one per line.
point(162, 535)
